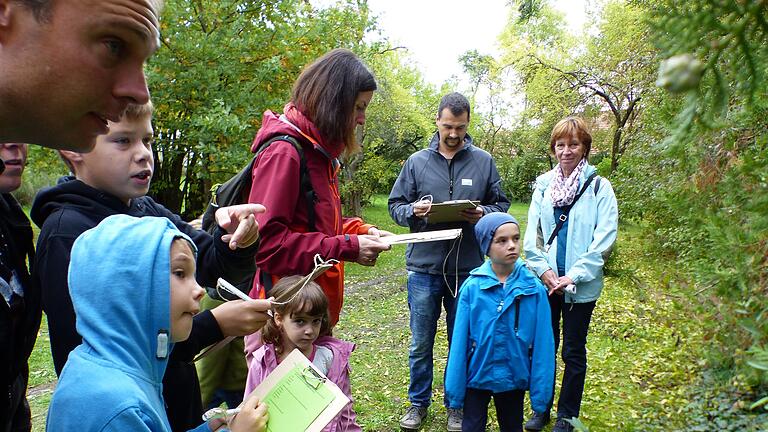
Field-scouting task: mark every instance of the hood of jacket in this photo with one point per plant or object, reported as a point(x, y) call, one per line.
point(294, 123)
point(524, 281)
point(72, 193)
point(119, 280)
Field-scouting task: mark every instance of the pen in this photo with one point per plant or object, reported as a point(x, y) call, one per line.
point(215, 413)
point(228, 287)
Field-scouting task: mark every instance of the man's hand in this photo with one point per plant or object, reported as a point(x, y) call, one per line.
point(421, 208)
point(472, 215)
point(241, 317)
point(239, 221)
point(370, 247)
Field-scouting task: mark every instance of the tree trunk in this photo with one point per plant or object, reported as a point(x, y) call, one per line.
point(166, 182)
point(615, 149)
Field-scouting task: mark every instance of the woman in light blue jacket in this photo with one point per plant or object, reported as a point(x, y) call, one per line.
point(570, 263)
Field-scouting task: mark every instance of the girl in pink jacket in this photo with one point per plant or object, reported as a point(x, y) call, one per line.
point(302, 323)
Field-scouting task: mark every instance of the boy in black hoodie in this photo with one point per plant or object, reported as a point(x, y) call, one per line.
point(113, 179)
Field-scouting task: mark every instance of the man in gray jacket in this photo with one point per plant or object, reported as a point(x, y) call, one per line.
point(451, 168)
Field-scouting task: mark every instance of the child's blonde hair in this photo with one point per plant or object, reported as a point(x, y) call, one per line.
point(132, 112)
point(311, 300)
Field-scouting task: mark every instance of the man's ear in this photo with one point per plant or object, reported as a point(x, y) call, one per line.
point(71, 156)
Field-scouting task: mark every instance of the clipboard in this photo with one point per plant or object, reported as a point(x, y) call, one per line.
point(448, 211)
point(299, 397)
point(420, 237)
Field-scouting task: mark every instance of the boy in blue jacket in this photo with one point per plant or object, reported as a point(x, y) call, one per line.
point(502, 339)
point(113, 380)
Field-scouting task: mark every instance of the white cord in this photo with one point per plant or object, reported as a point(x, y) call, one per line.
point(428, 198)
point(320, 267)
point(456, 241)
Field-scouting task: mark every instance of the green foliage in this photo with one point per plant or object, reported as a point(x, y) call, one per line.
point(696, 175)
point(519, 173)
point(221, 64)
point(730, 39)
point(400, 121)
point(43, 169)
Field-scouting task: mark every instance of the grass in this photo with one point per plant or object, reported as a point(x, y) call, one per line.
point(646, 346)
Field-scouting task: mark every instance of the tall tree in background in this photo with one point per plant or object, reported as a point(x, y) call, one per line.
point(610, 74)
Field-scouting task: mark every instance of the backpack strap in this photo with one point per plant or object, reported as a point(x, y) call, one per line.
point(305, 183)
point(567, 209)
point(597, 184)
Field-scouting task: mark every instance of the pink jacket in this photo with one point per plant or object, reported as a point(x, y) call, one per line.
point(265, 361)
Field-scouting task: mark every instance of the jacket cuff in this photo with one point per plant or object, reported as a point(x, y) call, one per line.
point(207, 328)
point(350, 247)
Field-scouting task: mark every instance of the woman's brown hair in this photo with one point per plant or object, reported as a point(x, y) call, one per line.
point(310, 300)
point(326, 92)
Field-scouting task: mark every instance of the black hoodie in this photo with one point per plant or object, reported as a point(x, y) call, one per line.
point(65, 211)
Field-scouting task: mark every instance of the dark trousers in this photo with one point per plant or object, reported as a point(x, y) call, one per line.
point(509, 410)
point(576, 318)
point(17, 417)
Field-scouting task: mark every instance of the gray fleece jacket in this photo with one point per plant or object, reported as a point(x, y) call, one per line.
point(472, 175)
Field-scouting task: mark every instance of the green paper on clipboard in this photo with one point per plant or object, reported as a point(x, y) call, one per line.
point(299, 397)
point(297, 400)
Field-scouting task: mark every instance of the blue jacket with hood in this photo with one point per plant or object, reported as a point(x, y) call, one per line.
point(502, 338)
point(113, 380)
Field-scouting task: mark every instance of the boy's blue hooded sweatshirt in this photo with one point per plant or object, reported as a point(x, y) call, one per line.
point(119, 279)
point(502, 336)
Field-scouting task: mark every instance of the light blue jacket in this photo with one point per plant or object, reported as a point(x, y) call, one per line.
point(592, 225)
point(119, 280)
point(502, 337)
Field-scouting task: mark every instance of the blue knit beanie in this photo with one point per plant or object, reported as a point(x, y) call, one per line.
point(487, 225)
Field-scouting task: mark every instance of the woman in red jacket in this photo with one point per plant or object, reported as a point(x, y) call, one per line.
point(328, 101)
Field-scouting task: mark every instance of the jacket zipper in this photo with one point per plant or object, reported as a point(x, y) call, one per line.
point(517, 314)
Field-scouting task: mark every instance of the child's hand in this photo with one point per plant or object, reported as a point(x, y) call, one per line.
point(240, 317)
point(239, 221)
point(252, 417)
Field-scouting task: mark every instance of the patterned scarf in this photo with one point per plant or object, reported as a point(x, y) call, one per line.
point(563, 190)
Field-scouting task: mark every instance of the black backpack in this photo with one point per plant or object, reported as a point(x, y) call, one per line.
point(236, 191)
